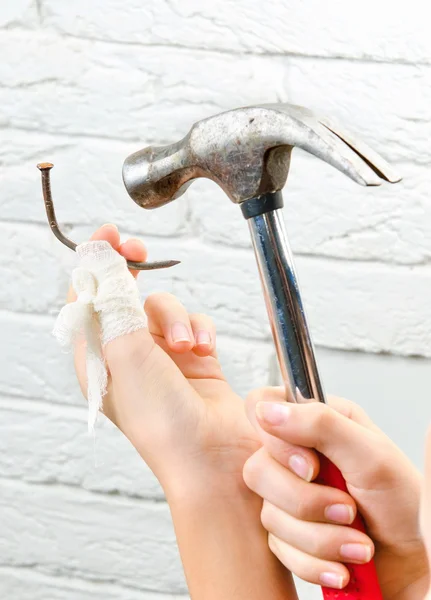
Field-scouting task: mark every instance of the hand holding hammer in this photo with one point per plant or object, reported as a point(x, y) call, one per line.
point(247, 152)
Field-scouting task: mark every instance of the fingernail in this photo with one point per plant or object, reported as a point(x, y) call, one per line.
point(180, 333)
point(340, 513)
point(273, 413)
point(110, 225)
point(357, 552)
point(203, 338)
point(333, 580)
point(301, 467)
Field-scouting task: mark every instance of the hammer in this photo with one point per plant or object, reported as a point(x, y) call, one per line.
point(247, 152)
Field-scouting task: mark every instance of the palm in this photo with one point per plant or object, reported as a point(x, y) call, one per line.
point(396, 532)
point(225, 422)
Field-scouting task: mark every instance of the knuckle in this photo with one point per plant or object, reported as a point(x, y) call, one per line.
point(319, 547)
point(249, 474)
point(304, 507)
point(321, 416)
point(273, 546)
point(159, 298)
point(267, 516)
point(252, 471)
point(381, 470)
point(160, 302)
point(202, 317)
point(301, 509)
point(354, 411)
point(257, 395)
point(299, 564)
point(150, 301)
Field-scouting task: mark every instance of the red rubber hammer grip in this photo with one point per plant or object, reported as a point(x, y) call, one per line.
point(363, 584)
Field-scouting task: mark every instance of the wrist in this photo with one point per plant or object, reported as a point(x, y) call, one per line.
point(415, 590)
point(201, 484)
point(206, 468)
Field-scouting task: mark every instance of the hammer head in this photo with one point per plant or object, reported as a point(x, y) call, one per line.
point(247, 152)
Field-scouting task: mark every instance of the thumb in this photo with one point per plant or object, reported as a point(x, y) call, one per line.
point(304, 462)
point(346, 443)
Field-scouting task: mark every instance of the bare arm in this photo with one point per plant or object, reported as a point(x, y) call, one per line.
point(223, 545)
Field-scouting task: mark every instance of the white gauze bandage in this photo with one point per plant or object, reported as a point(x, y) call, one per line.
point(107, 306)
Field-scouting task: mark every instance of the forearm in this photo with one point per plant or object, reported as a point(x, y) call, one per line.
point(416, 590)
point(223, 546)
point(408, 575)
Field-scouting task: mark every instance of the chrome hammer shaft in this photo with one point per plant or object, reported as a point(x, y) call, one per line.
point(283, 301)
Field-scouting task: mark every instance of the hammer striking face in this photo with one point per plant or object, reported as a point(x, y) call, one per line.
point(247, 152)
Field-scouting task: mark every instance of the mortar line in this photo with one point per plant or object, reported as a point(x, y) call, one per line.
point(96, 137)
point(73, 225)
point(188, 239)
point(73, 575)
point(270, 54)
point(37, 131)
point(79, 490)
point(39, 8)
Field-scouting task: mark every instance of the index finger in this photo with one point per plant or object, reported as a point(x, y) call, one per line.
point(134, 250)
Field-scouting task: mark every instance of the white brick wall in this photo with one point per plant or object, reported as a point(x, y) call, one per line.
point(84, 84)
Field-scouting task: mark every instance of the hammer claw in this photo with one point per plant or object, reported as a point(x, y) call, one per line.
point(378, 164)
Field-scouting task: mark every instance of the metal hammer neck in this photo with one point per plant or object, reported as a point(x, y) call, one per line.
point(283, 300)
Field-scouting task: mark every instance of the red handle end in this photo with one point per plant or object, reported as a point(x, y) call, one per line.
point(363, 584)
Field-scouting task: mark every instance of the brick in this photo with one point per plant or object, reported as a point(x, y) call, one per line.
point(87, 185)
point(151, 101)
point(368, 307)
point(37, 267)
point(42, 370)
point(326, 214)
point(351, 305)
point(50, 444)
point(28, 584)
point(18, 13)
point(141, 96)
point(385, 31)
point(388, 105)
point(84, 85)
point(385, 309)
point(107, 539)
